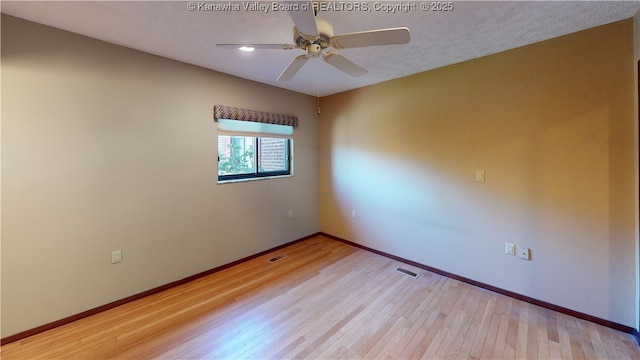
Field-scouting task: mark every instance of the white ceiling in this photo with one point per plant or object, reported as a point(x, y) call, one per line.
point(471, 30)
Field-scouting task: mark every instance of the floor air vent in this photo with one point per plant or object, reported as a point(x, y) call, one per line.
point(407, 272)
point(277, 258)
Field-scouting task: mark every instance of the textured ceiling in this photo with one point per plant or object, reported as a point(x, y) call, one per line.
point(174, 30)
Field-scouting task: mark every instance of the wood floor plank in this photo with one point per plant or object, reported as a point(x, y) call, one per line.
point(326, 300)
point(501, 337)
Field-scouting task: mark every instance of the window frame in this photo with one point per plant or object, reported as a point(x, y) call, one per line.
point(257, 174)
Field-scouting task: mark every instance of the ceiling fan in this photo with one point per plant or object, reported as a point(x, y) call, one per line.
point(315, 36)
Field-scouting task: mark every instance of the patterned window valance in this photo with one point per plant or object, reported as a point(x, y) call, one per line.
point(233, 113)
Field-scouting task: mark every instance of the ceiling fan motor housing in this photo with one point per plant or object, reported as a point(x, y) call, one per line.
point(325, 33)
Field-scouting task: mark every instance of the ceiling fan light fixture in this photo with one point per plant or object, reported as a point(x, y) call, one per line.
point(246, 48)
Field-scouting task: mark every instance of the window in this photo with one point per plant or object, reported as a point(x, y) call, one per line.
point(244, 157)
point(253, 144)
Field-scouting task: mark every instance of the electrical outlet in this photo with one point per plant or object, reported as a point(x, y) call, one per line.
point(290, 213)
point(353, 214)
point(480, 175)
point(116, 256)
point(524, 253)
point(509, 248)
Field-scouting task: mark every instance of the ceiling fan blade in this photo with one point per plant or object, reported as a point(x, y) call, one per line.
point(258, 46)
point(391, 36)
point(342, 63)
point(293, 68)
point(304, 17)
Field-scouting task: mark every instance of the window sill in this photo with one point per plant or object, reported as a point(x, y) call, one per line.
point(253, 179)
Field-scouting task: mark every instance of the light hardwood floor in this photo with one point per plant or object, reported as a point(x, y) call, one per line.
point(326, 300)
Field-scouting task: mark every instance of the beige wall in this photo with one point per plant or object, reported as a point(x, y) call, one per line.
point(107, 148)
point(552, 126)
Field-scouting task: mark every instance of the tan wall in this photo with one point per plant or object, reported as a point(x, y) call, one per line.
point(552, 126)
point(107, 148)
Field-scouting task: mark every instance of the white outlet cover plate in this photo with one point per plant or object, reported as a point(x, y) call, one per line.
point(523, 253)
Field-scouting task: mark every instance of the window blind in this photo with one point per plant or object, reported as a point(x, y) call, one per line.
point(245, 128)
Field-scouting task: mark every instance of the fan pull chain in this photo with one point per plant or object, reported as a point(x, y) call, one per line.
point(318, 108)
